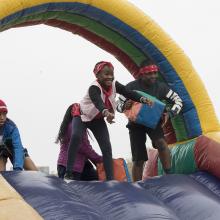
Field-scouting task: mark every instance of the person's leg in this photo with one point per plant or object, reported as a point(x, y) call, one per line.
point(28, 162)
point(164, 154)
point(76, 176)
point(160, 144)
point(100, 131)
point(137, 136)
point(137, 170)
point(89, 172)
point(3, 162)
point(78, 129)
point(61, 170)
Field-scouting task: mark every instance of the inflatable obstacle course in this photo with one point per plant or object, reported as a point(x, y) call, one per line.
point(131, 36)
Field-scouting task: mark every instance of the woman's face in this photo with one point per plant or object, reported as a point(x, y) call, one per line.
point(3, 116)
point(105, 76)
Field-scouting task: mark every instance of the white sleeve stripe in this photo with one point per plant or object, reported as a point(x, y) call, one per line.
point(169, 93)
point(174, 95)
point(176, 107)
point(178, 103)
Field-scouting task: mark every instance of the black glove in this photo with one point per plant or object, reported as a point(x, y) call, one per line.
point(172, 113)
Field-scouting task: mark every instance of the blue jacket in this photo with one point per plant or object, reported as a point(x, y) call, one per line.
point(10, 131)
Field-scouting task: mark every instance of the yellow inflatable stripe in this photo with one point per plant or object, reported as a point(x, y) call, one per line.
point(214, 136)
point(12, 205)
point(136, 18)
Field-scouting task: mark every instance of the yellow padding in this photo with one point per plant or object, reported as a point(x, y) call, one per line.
point(214, 136)
point(12, 205)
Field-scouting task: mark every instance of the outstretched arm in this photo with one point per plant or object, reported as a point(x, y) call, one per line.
point(129, 94)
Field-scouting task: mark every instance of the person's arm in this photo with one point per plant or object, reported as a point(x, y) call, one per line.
point(127, 93)
point(174, 98)
point(95, 96)
point(18, 160)
point(130, 94)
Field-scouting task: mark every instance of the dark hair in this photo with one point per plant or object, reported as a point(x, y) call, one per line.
point(64, 125)
point(146, 63)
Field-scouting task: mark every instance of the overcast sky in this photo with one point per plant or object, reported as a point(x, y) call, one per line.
point(44, 69)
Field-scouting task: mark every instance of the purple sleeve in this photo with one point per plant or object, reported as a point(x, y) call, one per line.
point(88, 151)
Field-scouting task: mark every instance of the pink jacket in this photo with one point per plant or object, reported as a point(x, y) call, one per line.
point(85, 152)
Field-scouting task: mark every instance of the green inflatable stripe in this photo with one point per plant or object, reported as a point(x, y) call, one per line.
point(134, 53)
point(183, 160)
point(179, 127)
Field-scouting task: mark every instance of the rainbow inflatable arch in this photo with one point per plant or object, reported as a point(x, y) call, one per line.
point(126, 32)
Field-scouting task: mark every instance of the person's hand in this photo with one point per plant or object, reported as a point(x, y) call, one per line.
point(109, 116)
point(165, 119)
point(128, 104)
point(147, 101)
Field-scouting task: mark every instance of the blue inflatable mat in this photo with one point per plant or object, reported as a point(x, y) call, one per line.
point(175, 197)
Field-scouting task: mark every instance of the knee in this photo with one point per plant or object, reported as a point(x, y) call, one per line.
point(160, 145)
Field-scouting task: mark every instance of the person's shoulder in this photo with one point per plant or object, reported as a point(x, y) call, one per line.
point(10, 123)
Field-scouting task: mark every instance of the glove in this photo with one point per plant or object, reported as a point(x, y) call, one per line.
point(172, 113)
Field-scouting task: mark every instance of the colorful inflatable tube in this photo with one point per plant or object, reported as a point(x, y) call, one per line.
point(131, 36)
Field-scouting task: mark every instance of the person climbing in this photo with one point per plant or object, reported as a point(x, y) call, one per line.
point(82, 168)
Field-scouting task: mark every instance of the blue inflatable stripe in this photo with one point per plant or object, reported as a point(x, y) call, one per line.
point(193, 130)
point(167, 71)
point(126, 171)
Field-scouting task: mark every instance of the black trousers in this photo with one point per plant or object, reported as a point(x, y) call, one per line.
point(100, 131)
point(89, 173)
